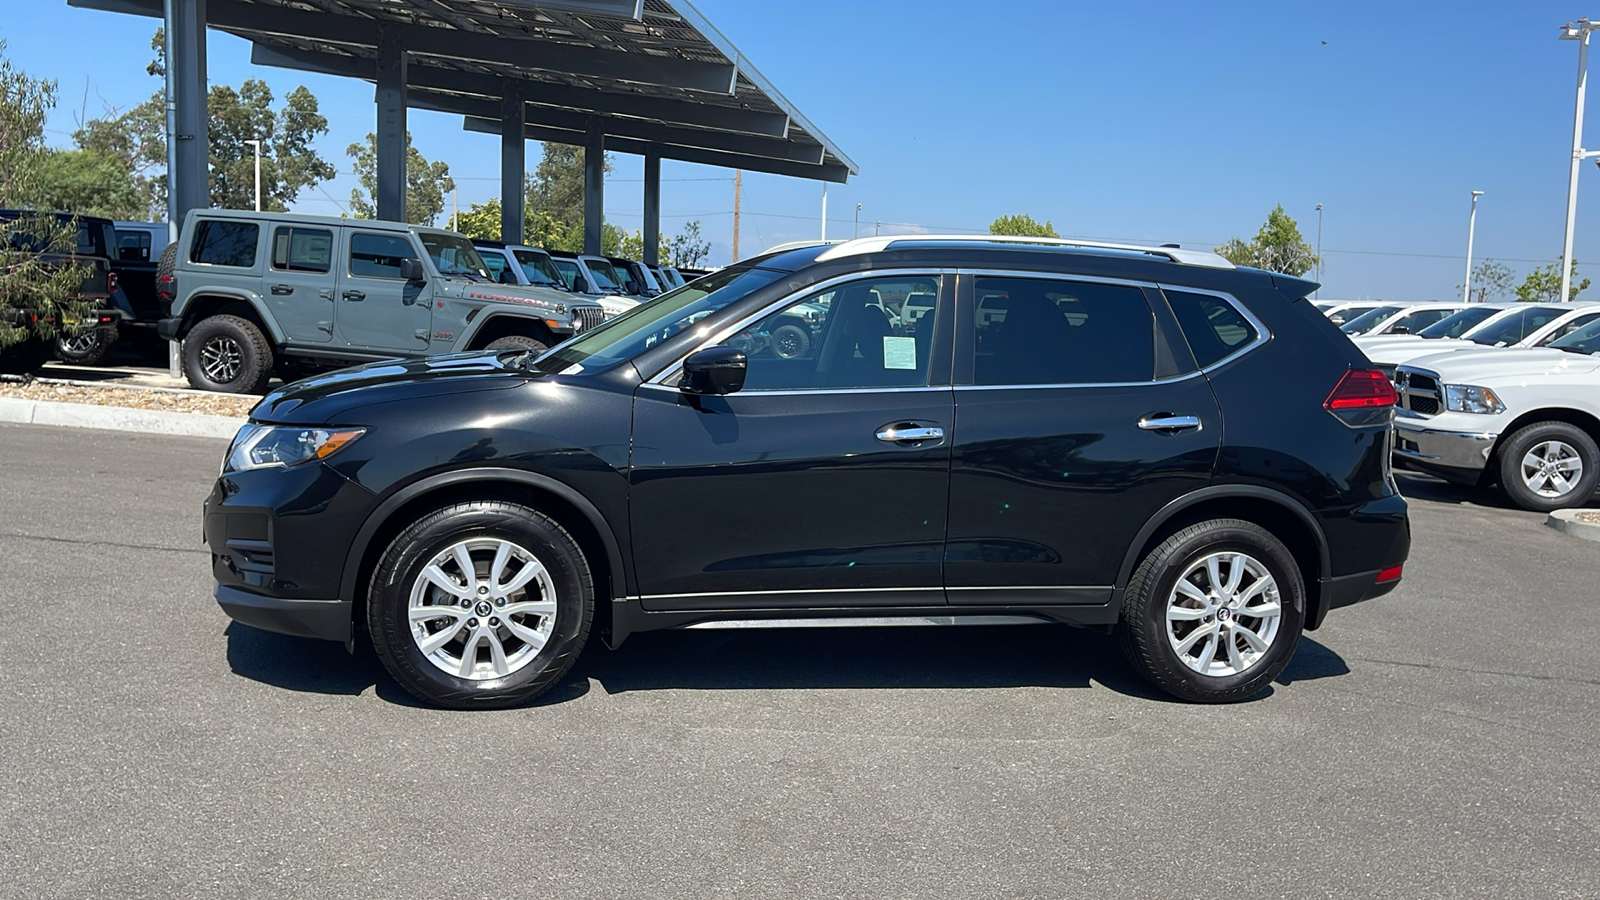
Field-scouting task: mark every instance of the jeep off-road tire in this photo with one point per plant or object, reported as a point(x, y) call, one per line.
point(1214, 613)
point(790, 341)
point(484, 604)
point(227, 354)
point(517, 342)
point(1548, 466)
point(89, 348)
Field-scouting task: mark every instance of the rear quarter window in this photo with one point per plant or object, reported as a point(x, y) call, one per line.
point(1213, 327)
point(222, 243)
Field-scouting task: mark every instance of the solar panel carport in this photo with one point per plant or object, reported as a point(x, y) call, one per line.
point(650, 77)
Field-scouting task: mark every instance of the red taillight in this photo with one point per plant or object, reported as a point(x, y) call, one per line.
point(164, 286)
point(111, 283)
point(1361, 389)
point(1392, 573)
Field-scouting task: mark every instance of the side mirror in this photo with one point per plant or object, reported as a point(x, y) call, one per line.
point(714, 370)
point(411, 270)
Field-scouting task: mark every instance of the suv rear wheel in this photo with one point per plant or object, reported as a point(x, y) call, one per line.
point(229, 354)
point(1549, 465)
point(88, 348)
point(481, 605)
point(1213, 614)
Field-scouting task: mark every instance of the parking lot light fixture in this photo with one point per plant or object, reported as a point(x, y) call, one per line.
point(1575, 31)
point(1472, 221)
point(257, 145)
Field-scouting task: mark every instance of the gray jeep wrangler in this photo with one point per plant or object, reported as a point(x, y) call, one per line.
point(257, 293)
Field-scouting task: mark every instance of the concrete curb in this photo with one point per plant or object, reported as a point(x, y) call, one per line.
point(1566, 521)
point(116, 418)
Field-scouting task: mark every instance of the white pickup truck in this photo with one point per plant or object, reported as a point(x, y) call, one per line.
point(1527, 419)
point(1514, 325)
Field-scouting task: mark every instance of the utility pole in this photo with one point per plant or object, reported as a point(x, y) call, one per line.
point(857, 232)
point(876, 227)
point(455, 209)
point(1472, 222)
point(738, 185)
point(1575, 31)
point(824, 210)
point(257, 144)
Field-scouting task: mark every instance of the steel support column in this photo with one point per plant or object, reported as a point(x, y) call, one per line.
point(594, 179)
point(513, 163)
point(188, 140)
point(652, 209)
point(391, 142)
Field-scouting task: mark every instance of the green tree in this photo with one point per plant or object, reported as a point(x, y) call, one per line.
point(427, 183)
point(556, 186)
point(24, 103)
point(687, 248)
point(1277, 247)
point(1490, 281)
point(90, 183)
point(1022, 226)
point(1543, 284)
point(480, 221)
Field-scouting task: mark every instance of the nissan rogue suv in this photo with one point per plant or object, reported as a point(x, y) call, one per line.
point(1142, 440)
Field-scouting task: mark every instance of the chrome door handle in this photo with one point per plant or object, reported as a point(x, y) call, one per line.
point(1169, 423)
point(354, 295)
point(896, 434)
point(282, 289)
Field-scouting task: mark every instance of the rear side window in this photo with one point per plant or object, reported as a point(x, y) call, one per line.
point(1042, 331)
point(378, 255)
point(302, 249)
point(1514, 328)
point(1213, 327)
point(219, 243)
point(133, 245)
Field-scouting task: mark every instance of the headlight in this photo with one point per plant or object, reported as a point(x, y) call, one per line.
point(260, 446)
point(1470, 398)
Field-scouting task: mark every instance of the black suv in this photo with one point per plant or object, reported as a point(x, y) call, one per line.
point(1144, 440)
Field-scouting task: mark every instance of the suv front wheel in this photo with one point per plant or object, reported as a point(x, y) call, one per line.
point(1213, 614)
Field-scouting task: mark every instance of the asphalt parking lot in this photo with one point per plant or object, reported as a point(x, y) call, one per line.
point(1439, 742)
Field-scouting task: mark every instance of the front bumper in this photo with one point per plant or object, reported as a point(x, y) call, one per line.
point(1431, 446)
point(327, 620)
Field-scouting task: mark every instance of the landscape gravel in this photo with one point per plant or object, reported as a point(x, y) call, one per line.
point(237, 405)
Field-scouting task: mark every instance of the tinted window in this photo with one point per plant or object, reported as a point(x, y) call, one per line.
point(378, 255)
point(220, 243)
point(570, 276)
point(1577, 323)
point(133, 245)
point(1039, 331)
point(858, 335)
point(1583, 340)
point(1368, 320)
point(1345, 315)
point(1457, 325)
point(1213, 327)
point(604, 274)
point(1513, 328)
point(302, 249)
point(1415, 322)
point(494, 262)
point(537, 267)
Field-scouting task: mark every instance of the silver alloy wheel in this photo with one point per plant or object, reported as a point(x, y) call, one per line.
point(81, 344)
point(1223, 614)
point(1552, 468)
point(221, 358)
point(482, 608)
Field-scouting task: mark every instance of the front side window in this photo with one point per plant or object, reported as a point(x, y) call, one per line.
point(1455, 326)
point(1583, 340)
point(1513, 328)
point(1211, 325)
point(1043, 331)
point(378, 255)
point(222, 243)
point(1577, 323)
point(570, 275)
point(302, 249)
point(454, 255)
point(604, 274)
point(538, 268)
point(1411, 323)
point(497, 267)
point(856, 335)
point(1368, 320)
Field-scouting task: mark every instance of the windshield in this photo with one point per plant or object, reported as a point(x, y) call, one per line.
point(604, 275)
point(538, 268)
point(648, 324)
point(1368, 320)
point(1513, 328)
point(1457, 325)
point(1349, 313)
point(1584, 340)
point(454, 255)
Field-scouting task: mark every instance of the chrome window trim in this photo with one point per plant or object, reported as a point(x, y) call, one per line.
point(811, 392)
point(1263, 334)
point(663, 377)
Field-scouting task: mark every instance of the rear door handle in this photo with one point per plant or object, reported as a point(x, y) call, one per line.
point(1169, 423)
point(281, 289)
point(907, 433)
point(354, 295)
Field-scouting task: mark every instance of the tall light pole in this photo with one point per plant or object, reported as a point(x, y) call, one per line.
point(824, 210)
point(257, 144)
point(1319, 252)
point(1472, 221)
point(1575, 31)
point(857, 232)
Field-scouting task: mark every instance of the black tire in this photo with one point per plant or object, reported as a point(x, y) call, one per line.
point(517, 342)
point(389, 600)
point(89, 348)
point(1143, 628)
point(166, 263)
point(1513, 450)
point(790, 341)
point(24, 357)
point(247, 350)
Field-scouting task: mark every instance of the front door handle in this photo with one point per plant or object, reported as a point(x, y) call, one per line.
point(1163, 422)
point(282, 289)
point(909, 433)
point(354, 295)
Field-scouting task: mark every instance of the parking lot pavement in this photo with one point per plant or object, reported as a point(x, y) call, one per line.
point(1438, 742)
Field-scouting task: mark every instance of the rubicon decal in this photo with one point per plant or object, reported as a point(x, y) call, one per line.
point(508, 298)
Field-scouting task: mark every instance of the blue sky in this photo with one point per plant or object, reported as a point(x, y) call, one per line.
point(1153, 122)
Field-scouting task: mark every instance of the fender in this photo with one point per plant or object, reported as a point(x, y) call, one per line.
point(363, 538)
point(476, 325)
point(249, 298)
point(1217, 492)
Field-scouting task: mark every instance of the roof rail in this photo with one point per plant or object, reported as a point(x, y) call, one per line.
point(798, 245)
point(878, 244)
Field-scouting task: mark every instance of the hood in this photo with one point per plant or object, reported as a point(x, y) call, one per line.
point(1494, 366)
point(616, 304)
point(323, 399)
point(519, 294)
point(1398, 351)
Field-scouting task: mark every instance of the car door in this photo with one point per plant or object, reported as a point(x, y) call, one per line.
point(302, 282)
point(1075, 424)
point(377, 309)
point(822, 483)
